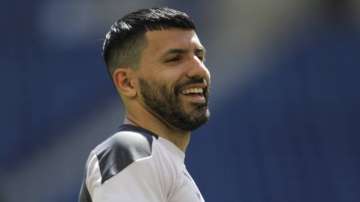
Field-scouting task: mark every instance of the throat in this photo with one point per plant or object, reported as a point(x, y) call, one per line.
point(152, 122)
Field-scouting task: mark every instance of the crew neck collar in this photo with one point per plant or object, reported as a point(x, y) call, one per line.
point(180, 154)
point(131, 127)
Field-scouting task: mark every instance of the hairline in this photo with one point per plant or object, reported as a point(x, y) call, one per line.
point(141, 42)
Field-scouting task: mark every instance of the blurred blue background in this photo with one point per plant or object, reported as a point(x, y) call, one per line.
point(285, 98)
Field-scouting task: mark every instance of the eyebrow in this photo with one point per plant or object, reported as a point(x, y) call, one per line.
point(175, 51)
point(182, 51)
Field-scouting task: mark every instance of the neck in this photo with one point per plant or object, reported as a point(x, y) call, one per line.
point(144, 119)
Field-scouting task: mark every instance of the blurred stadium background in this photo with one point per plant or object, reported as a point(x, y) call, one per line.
point(285, 98)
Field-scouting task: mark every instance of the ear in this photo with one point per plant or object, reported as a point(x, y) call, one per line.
point(124, 81)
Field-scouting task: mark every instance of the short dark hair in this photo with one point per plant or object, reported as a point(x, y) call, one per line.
point(126, 37)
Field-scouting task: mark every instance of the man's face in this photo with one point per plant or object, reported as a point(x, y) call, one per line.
point(173, 79)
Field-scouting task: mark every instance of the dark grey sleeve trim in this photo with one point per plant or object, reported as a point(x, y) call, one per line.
point(84, 195)
point(121, 150)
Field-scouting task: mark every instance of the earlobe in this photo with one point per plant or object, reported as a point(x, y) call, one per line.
point(123, 80)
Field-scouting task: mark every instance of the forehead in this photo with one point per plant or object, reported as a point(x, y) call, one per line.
point(159, 41)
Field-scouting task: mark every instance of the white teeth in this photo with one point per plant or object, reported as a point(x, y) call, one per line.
point(193, 90)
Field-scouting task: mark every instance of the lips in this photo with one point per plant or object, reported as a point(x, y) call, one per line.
point(190, 91)
point(196, 93)
point(194, 90)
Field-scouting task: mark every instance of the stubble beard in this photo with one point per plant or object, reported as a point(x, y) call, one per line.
point(167, 105)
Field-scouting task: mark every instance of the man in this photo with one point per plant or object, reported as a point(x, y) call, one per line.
point(156, 62)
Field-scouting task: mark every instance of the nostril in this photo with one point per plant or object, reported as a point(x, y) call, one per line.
point(198, 70)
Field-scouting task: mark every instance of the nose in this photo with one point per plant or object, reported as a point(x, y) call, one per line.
point(198, 69)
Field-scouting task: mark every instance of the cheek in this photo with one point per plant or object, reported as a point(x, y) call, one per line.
point(167, 79)
point(171, 83)
point(163, 88)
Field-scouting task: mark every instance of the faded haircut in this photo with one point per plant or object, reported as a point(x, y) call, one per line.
point(126, 38)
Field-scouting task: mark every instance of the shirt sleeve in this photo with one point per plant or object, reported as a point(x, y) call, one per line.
point(125, 168)
point(138, 182)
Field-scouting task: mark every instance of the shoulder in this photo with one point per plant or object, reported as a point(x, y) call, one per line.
point(122, 149)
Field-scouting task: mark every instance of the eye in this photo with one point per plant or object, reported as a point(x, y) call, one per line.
point(200, 54)
point(201, 57)
point(173, 59)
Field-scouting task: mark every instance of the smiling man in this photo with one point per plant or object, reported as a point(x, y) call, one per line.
point(156, 62)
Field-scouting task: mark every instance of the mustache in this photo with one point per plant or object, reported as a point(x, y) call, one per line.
point(193, 80)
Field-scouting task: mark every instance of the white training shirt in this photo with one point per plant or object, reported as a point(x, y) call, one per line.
point(135, 165)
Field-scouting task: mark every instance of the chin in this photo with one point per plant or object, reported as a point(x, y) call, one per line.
point(198, 121)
